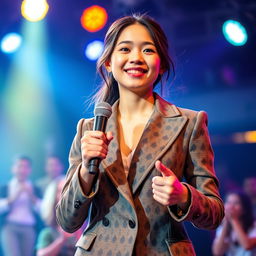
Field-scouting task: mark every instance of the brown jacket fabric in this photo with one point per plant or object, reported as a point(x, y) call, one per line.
point(124, 219)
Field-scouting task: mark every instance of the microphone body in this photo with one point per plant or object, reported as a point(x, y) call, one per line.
point(102, 112)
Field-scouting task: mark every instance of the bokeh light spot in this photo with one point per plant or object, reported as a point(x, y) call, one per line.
point(234, 32)
point(11, 42)
point(34, 10)
point(94, 18)
point(94, 50)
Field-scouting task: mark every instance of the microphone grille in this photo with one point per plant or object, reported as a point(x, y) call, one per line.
point(103, 109)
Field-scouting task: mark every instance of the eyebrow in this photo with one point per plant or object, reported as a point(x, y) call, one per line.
point(131, 42)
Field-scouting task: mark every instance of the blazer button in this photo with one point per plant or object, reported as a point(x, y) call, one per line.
point(105, 221)
point(77, 204)
point(132, 224)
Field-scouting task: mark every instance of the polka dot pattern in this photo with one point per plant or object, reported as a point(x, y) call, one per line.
point(137, 224)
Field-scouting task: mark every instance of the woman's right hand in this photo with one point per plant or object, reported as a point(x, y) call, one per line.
point(95, 144)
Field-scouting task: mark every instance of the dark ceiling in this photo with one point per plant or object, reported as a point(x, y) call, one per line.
point(204, 60)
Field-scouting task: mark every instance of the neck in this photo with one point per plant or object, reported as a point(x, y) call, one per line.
point(132, 104)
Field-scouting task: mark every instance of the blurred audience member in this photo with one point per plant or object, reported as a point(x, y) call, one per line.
point(52, 240)
point(54, 169)
point(249, 186)
point(19, 208)
point(237, 234)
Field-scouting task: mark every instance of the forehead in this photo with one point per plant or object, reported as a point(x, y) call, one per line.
point(53, 160)
point(135, 33)
point(233, 198)
point(22, 162)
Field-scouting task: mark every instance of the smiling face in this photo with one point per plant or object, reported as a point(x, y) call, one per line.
point(135, 62)
point(233, 205)
point(21, 169)
point(53, 167)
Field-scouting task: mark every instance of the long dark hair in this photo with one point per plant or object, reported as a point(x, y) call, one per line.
point(109, 91)
point(246, 218)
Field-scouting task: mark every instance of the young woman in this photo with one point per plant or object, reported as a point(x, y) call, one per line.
point(237, 234)
point(137, 203)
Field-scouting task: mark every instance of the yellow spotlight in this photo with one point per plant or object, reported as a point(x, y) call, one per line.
point(94, 18)
point(34, 10)
point(244, 137)
point(250, 137)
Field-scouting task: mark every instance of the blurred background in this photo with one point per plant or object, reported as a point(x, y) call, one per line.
point(48, 56)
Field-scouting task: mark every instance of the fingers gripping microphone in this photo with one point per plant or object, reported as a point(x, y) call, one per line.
point(102, 112)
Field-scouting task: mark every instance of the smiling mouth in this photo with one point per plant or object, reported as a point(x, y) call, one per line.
point(136, 71)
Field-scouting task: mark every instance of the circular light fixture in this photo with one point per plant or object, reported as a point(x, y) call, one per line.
point(234, 32)
point(11, 42)
point(94, 18)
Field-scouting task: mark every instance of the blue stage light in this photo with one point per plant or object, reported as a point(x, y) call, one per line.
point(234, 32)
point(11, 42)
point(94, 50)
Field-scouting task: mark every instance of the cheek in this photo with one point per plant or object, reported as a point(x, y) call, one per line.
point(156, 63)
point(238, 209)
point(228, 206)
point(157, 67)
point(25, 174)
point(117, 62)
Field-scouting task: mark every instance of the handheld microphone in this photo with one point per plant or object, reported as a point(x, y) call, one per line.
point(102, 112)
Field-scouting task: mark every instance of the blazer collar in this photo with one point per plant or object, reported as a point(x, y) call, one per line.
point(166, 109)
point(160, 132)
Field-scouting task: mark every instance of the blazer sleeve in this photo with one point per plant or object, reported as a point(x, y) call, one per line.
point(73, 207)
point(205, 209)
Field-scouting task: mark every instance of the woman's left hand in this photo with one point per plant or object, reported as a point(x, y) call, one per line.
point(167, 189)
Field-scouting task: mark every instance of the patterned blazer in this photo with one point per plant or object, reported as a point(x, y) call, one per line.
point(124, 219)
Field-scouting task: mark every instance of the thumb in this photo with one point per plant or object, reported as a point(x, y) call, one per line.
point(166, 172)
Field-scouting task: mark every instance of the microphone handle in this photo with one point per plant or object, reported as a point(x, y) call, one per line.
point(100, 123)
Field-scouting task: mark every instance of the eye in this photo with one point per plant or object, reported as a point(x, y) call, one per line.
point(149, 50)
point(124, 49)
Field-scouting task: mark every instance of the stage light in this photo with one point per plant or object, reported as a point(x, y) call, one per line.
point(11, 42)
point(26, 100)
point(94, 18)
point(250, 136)
point(244, 137)
point(94, 50)
point(234, 32)
point(34, 10)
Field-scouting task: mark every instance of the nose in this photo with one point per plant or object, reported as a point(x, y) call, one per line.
point(136, 57)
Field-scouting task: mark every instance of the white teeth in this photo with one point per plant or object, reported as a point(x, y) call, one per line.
point(133, 71)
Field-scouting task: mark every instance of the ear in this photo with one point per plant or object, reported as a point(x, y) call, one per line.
point(108, 65)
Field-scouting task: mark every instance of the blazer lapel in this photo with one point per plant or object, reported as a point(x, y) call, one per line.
point(161, 131)
point(113, 164)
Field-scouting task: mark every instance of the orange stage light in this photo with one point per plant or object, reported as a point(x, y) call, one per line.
point(94, 18)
